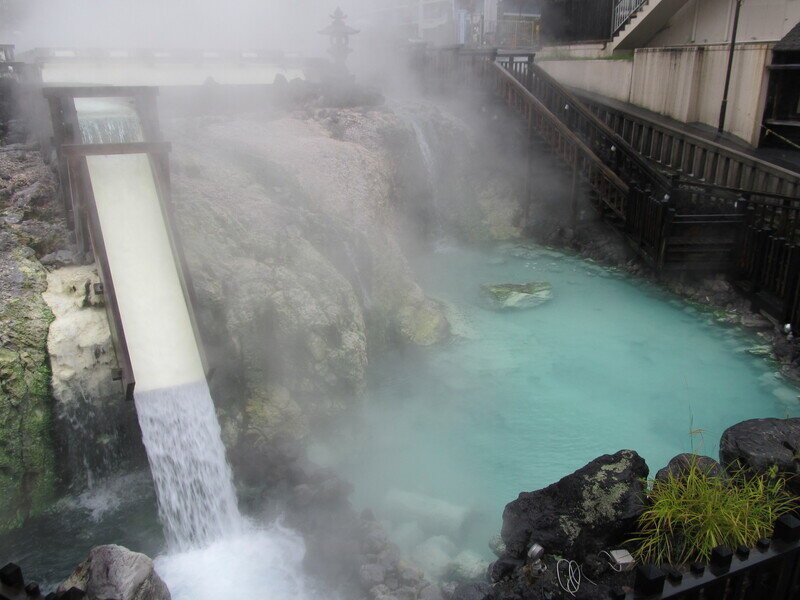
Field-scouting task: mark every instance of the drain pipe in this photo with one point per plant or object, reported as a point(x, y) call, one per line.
point(724, 108)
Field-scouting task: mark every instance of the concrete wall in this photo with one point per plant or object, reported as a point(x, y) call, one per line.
point(684, 83)
point(710, 22)
point(611, 78)
point(566, 51)
point(687, 84)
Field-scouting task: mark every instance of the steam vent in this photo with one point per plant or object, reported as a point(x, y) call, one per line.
point(500, 303)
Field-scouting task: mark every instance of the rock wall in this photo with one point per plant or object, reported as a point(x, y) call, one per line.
point(291, 238)
point(96, 429)
point(28, 228)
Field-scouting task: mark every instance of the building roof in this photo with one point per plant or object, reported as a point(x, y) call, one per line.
point(790, 42)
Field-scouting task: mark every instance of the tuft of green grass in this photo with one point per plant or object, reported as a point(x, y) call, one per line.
point(692, 513)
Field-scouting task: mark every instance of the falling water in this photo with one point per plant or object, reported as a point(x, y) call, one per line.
point(196, 499)
point(108, 120)
point(430, 171)
point(197, 507)
point(194, 487)
point(111, 130)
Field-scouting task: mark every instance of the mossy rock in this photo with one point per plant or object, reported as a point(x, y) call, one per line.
point(27, 460)
point(517, 295)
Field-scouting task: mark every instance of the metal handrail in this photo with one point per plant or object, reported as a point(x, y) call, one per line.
point(623, 11)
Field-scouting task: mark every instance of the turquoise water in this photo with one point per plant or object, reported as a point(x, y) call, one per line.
point(518, 399)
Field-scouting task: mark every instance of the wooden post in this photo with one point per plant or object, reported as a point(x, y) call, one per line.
point(573, 212)
point(668, 215)
point(529, 82)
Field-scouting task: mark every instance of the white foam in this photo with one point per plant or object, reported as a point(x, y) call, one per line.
point(265, 564)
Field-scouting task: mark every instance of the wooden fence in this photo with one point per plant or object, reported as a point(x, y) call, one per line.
point(770, 571)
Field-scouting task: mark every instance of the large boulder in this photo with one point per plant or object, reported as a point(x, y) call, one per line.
point(758, 445)
point(113, 572)
point(593, 508)
point(679, 465)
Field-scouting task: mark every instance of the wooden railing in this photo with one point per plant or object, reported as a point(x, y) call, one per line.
point(693, 156)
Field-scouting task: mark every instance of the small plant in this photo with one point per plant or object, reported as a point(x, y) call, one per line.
point(691, 513)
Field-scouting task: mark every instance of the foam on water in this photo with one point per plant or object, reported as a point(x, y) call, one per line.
point(264, 564)
point(196, 498)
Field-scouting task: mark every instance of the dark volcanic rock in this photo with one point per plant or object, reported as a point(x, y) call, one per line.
point(591, 509)
point(679, 465)
point(758, 444)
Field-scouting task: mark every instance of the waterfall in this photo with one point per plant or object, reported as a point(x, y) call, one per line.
point(194, 485)
point(196, 498)
point(110, 130)
point(108, 120)
point(431, 170)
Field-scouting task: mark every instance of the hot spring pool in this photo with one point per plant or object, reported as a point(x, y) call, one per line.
point(450, 434)
point(519, 398)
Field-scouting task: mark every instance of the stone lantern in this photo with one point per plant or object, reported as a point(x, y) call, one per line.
point(340, 38)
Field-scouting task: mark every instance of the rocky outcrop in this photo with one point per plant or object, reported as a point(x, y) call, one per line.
point(28, 226)
point(95, 428)
point(679, 465)
point(79, 341)
point(290, 237)
point(116, 572)
point(759, 445)
point(592, 509)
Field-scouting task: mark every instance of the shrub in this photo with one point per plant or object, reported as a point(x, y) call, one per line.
point(691, 513)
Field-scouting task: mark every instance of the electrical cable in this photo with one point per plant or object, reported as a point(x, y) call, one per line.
point(573, 576)
point(611, 562)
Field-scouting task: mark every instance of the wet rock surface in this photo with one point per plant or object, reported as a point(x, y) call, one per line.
point(29, 227)
point(586, 511)
point(96, 429)
point(759, 445)
point(116, 572)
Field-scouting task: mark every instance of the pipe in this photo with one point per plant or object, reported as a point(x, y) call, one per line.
point(724, 107)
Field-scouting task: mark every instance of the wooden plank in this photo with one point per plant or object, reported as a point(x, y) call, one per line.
point(122, 148)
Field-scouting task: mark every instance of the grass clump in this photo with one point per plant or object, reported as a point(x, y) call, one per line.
point(691, 513)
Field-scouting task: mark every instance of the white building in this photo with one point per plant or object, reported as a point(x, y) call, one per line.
point(671, 57)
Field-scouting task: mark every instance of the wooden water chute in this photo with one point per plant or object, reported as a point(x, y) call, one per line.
point(82, 208)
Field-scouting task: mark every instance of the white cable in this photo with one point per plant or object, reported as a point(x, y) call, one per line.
point(611, 562)
point(573, 576)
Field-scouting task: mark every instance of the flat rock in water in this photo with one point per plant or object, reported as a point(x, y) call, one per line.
point(517, 295)
point(592, 509)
